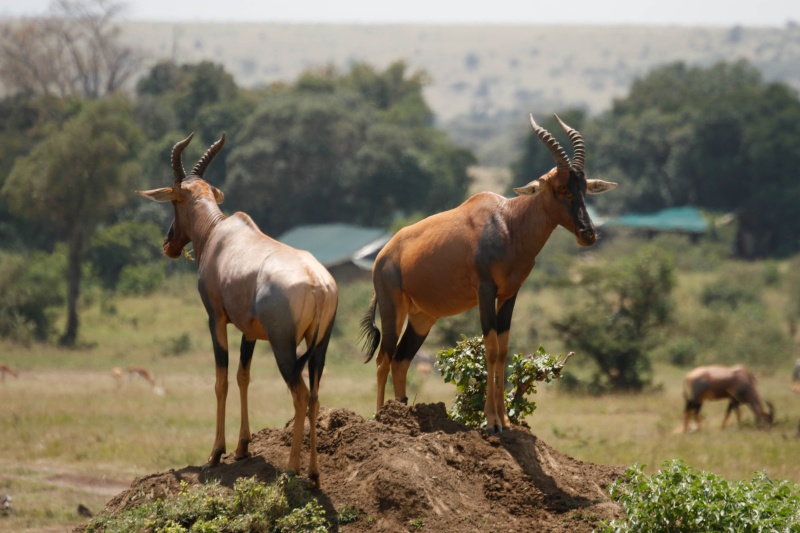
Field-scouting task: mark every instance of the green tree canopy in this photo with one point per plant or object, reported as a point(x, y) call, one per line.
point(73, 179)
point(354, 148)
point(621, 320)
point(175, 100)
point(716, 137)
point(24, 122)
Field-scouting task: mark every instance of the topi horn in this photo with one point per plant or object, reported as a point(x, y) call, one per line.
point(558, 153)
point(578, 148)
point(201, 165)
point(177, 164)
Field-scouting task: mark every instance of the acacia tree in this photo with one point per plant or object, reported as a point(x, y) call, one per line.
point(74, 50)
point(74, 179)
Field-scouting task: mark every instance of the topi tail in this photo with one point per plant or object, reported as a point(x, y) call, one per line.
point(370, 334)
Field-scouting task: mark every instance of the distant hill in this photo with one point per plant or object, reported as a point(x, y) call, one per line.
point(477, 72)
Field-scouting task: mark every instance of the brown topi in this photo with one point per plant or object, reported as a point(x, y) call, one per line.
point(479, 253)
point(715, 382)
point(268, 290)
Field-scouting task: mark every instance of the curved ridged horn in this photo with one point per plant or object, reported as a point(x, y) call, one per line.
point(578, 148)
point(558, 153)
point(177, 163)
point(201, 165)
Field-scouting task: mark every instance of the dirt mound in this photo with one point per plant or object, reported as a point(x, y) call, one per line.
point(412, 466)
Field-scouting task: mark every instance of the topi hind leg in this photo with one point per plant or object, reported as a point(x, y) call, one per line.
point(301, 398)
point(383, 363)
point(284, 348)
point(316, 364)
point(417, 329)
point(243, 380)
point(394, 311)
point(219, 338)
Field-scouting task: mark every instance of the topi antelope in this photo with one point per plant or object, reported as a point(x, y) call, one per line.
point(733, 383)
point(268, 290)
point(479, 253)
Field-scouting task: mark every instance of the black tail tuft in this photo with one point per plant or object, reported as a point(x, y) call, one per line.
point(370, 334)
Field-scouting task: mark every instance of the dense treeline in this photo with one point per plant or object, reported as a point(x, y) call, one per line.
point(355, 146)
point(349, 146)
point(718, 138)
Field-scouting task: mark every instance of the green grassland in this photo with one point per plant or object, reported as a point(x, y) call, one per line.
point(71, 434)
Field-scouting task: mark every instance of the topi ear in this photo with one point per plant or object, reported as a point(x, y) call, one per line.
point(530, 188)
point(165, 194)
point(218, 195)
point(599, 186)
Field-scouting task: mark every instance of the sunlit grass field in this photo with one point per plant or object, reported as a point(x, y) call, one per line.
point(72, 434)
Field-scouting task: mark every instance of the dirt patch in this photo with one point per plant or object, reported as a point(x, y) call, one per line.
point(412, 467)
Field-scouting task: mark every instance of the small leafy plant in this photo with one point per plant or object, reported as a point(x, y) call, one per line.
point(465, 367)
point(348, 515)
point(679, 498)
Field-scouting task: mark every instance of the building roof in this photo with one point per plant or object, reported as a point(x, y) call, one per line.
point(686, 219)
point(334, 244)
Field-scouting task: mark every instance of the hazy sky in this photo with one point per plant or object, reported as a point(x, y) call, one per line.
point(669, 12)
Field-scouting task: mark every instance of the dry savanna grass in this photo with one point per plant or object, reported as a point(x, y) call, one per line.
point(74, 434)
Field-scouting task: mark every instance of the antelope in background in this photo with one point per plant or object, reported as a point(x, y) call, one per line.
point(268, 290)
point(141, 371)
point(733, 383)
point(5, 369)
point(479, 253)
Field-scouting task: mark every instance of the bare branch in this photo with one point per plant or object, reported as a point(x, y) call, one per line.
point(75, 49)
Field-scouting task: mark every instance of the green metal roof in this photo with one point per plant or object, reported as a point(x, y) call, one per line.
point(686, 219)
point(333, 244)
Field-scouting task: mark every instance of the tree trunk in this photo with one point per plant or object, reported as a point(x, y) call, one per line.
point(74, 254)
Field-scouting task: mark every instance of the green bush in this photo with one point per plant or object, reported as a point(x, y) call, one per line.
point(465, 367)
point(280, 507)
point(729, 294)
point(31, 286)
point(682, 351)
point(307, 519)
point(681, 499)
point(791, 287)
point(117, 248)
point(178, 345)
point(626, 305)
point(752, 335)
point(141, 279)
